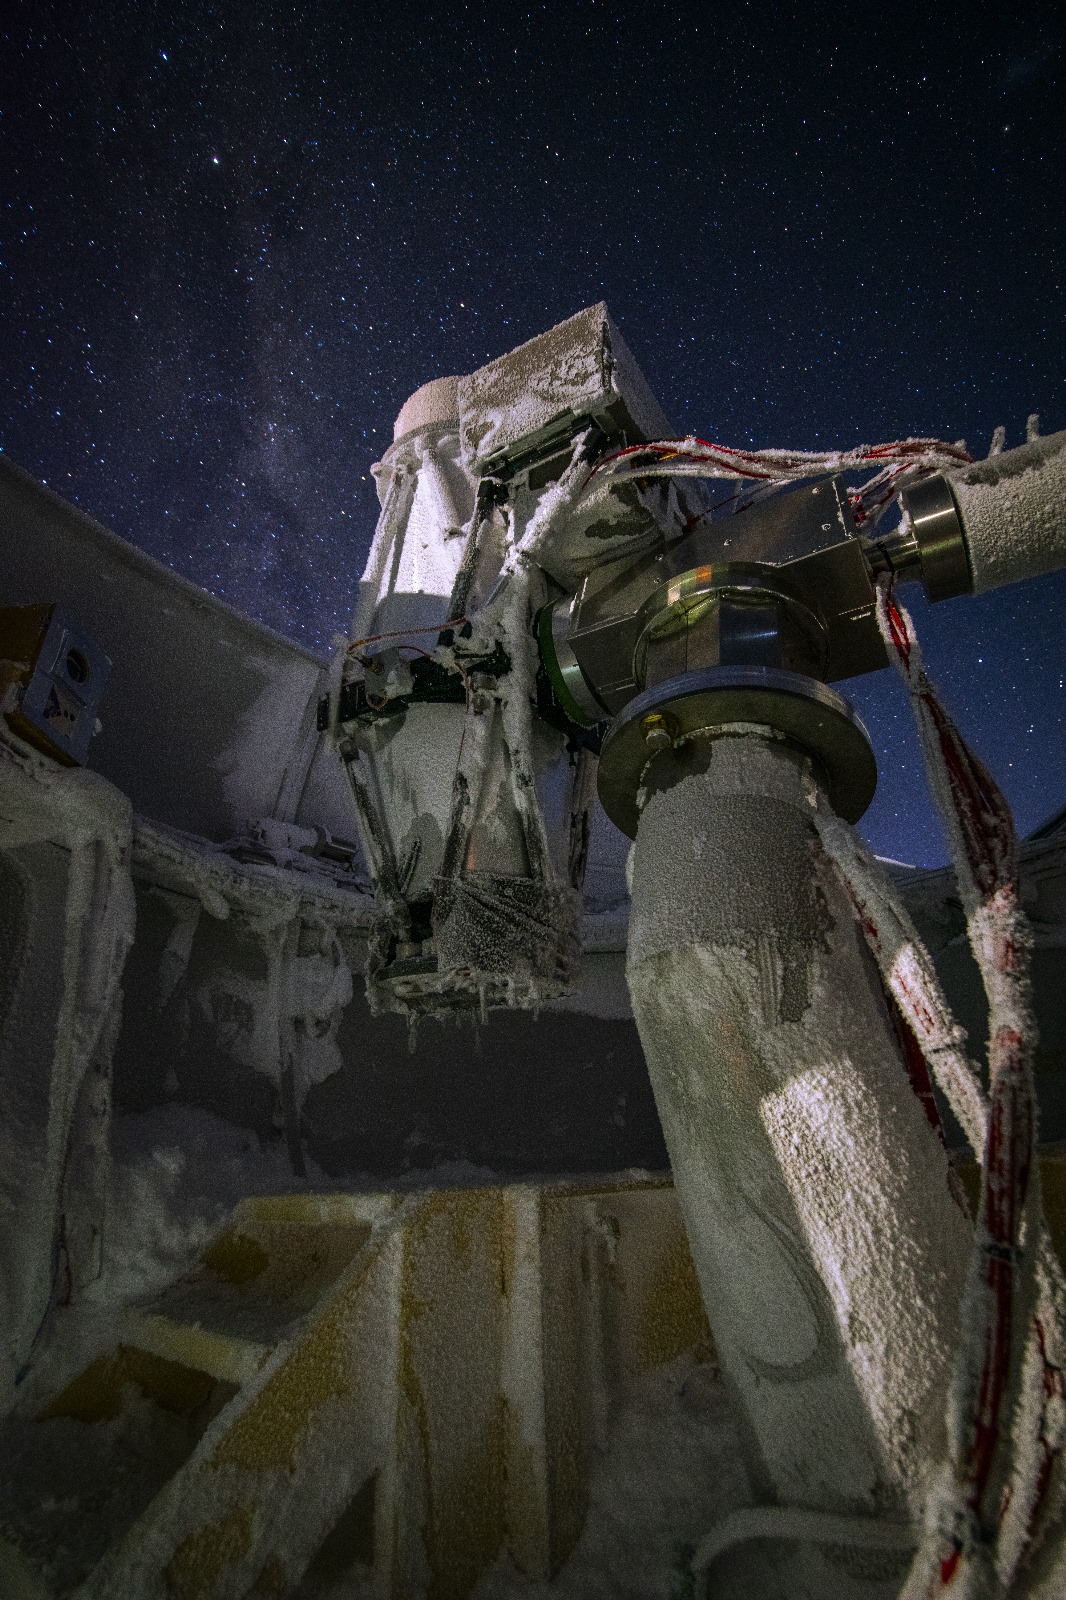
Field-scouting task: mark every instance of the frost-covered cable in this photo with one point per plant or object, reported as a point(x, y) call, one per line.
point(988, 1506)
point(910, 976)
point(901, 461)
point(555, 502)
point(695, 457)
point(908, 971)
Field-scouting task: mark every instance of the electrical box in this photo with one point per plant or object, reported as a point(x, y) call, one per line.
point(52, 679)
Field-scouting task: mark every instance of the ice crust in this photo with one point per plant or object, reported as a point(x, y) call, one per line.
point(581, 367)
point(206, 714)
point(1013, 508)
point(795, 1136)
point(672, 1467)
point(54, 1153)
point(452, 539)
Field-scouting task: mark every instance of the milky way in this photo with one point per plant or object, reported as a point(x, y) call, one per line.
point(236, 238)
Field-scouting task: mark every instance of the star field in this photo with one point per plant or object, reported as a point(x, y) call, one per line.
point(236, 237)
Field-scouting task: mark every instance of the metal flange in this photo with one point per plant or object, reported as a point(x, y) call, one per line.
point(937, 529)
point(572, 689)
point(668, 719)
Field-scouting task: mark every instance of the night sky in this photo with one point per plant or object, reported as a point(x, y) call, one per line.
point(237, 236)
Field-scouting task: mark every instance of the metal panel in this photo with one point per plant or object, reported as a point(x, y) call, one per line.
point(207, 713)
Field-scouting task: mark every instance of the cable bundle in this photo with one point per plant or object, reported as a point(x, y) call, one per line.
point(1002, 1487)
point(892, 464)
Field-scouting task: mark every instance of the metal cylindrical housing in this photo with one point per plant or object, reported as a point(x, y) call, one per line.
point(830, 1251)
point(728, 614)
point(1013, 511)
point(572, 688)
point(940, 544)
point(685, 715)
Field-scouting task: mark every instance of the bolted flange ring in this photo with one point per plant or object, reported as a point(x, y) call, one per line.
point(806, 712)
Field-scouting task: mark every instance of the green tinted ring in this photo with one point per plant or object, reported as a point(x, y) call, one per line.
point(569, 684)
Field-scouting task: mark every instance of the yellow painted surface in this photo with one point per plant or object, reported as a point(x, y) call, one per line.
point(568, 1373)
point(672, 1318)
point(654, 1311)
point(1053, 1184)
point(283, 1263)
point(454, 1263)
point(273, 1580)
point(96, 1395)
point(220, 1355)
point(271, 1431)
point(236, 1257)
point(524, 1501)
point(315, 1210)
point(201, 1559)
point(462, 1364)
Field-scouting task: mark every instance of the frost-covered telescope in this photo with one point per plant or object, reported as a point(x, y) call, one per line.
point(556, 605)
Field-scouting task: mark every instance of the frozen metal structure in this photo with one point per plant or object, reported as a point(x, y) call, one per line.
point(702, 648)
point(555, 606)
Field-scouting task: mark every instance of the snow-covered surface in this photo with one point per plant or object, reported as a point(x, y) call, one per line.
point(451, 784)
point(427, 502)
point(719, 935)
point(451, 794)
point(1013, 508)
point(320, 889)
point(671, 1466)
point(44, 1469)
point(265, 763)
point(435, 404)
point(69, 837)
point(581, 367)
point(671, 1469)
point(798, 1146)
point(178, 1171)
point(208, 717)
